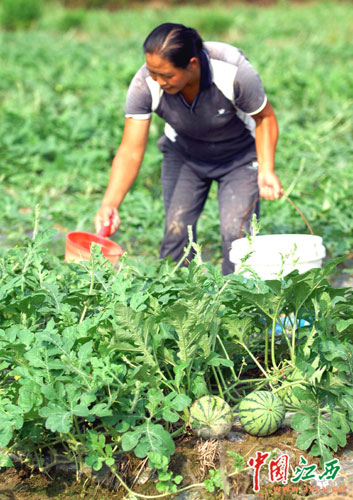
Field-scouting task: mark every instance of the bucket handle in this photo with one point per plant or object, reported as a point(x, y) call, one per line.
point(288, 199)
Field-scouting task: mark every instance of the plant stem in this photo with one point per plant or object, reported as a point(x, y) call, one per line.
point(186, 250)
point(178, 431)
point(273, 337)
point(217, 382)
point(284, 386)
point(163, 495)
point(255, 361)
point(266, 349)
point(245, 382)
point(294, 329)
point(77, 427)
point(222, 379)
point(89, 292)
point(226, 355)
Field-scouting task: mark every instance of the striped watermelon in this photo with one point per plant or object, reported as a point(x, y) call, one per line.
point(261, 413)
point(290, 400)
point(211, 417)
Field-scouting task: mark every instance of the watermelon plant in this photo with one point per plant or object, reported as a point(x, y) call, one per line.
point(318, 341)
point(108, 361)
point(114, 368)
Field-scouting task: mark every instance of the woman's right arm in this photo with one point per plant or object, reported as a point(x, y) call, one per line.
point(125, 167)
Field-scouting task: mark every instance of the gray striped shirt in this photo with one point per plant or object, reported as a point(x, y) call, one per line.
point(218, 124)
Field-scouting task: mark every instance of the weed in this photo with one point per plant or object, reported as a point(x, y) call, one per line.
point(20, 14)
point(73, 19)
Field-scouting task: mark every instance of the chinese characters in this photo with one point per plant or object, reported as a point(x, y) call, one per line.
point(278, 469)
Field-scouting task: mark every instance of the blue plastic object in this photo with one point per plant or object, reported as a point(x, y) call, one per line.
point(288, 322)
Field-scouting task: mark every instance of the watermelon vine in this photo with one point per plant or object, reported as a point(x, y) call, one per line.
point(107, 361)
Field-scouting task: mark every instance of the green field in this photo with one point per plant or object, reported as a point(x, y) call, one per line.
point(100, 363)
point(62, 90)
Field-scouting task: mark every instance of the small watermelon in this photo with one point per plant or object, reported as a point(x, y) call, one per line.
point(211, 417)
point(290, 400)
point(261, 413)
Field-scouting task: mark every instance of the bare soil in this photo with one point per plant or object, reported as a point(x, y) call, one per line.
point(192, 459)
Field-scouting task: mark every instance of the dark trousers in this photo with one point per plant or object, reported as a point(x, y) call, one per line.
point(186, 183)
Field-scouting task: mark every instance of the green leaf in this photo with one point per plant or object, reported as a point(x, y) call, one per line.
point(49, 392)
point(130, 440)
point(343, 324)
point(333, 350)
point(29, 396)
point(268, 302)
point(122, 426)
point(137, 302)
point(5, 461)
point(95, 461)
point(96, 442)
point(191, 319)
point(180, 402)
point(6, 432)
point(305, 439)
point(101, 410)
point(58, 419)
point(179, 371)
point(199, 387)
point(170, 415)
point(25, 337)
point(157, 461)
point(154, 439)
point(167, 406)
point(209, 485)
point(11, 418)
point(301, 422)
point(214, 359)
point(85, 351)
point(80, 410)
point(91, 459)
point(165, 476)
point(145, 373)
point(338, 434)
point(155, 397)
point(239, 327)
point(302, 393)
point(347, 402)
point(322, 451)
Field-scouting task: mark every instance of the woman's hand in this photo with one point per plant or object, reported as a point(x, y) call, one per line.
point(270, 186)
point(107, 216)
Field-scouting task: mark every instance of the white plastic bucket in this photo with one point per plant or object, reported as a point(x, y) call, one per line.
point(276, 254)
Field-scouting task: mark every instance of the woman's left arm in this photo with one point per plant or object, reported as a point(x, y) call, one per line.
point(266, 136)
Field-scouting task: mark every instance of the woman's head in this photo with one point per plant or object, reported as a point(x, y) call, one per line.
point(173, 56)
point(174, 42)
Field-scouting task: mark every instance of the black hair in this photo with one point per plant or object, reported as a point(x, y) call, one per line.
point(175, 43)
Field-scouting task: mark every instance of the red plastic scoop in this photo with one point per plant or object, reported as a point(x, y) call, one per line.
point(78, 245)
